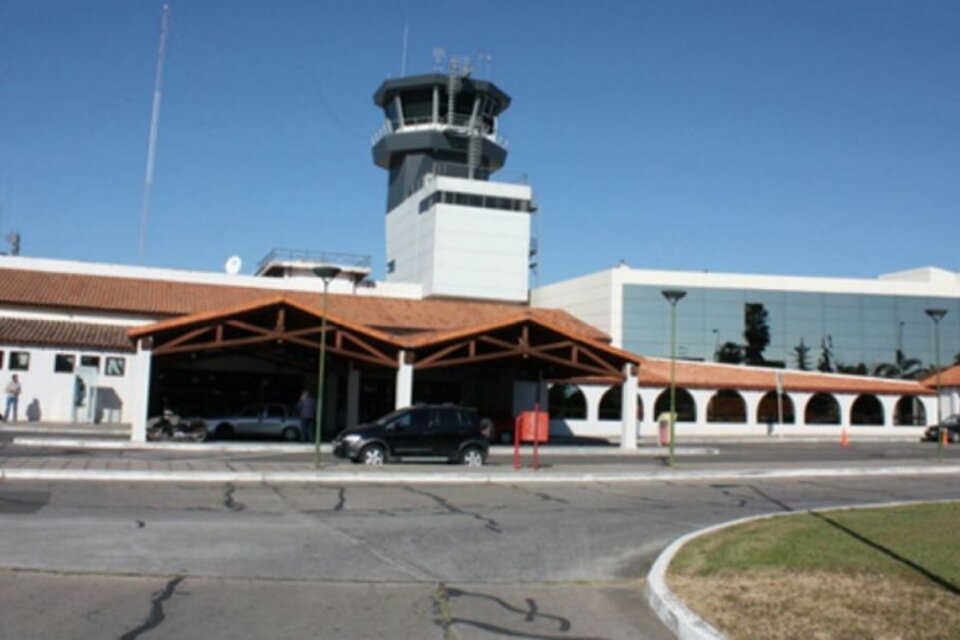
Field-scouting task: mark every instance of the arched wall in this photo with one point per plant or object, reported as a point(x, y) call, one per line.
point(649, 401)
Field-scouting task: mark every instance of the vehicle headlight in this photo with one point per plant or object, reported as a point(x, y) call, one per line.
point(351, 437)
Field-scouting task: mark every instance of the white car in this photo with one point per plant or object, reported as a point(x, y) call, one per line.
point(258, 421)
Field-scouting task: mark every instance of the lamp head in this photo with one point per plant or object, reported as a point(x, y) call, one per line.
point(673, 296)
point(936, 314)
point(327, 272)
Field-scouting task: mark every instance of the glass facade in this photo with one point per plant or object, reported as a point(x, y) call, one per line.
point(871, 334)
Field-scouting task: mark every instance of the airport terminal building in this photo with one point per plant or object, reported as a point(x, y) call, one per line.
point(455, 321)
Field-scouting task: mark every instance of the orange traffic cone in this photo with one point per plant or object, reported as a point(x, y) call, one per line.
point(844, 439)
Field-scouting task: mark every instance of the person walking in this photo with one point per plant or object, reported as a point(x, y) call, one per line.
point(13, 399)
point(307, 408)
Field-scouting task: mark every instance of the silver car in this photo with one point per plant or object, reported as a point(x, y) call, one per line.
point(257, 421)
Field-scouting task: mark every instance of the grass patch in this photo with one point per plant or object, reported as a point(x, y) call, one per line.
point(864, 573)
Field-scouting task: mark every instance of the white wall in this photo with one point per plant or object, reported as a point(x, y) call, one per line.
point(405, 228)
point(647, 429)
point(591, 298)
point(52, 394)
point(461, 251)
point(480, 253)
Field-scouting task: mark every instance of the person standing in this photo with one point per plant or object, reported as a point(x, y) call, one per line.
point(13, 399)
point(307, 407)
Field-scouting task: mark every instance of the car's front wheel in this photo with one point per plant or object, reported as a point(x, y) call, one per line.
point(472, 457)
point(223, 432)
point(291, 434)
point(373, 455)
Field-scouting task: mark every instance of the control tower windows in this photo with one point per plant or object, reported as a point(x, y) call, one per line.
point(474, 200)
point(417, 106)
point(390, 111)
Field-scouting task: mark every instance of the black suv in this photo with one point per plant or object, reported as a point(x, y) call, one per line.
point(950, 424)
point(445, 431)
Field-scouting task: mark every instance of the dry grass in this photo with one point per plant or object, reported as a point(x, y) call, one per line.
point(820, 605)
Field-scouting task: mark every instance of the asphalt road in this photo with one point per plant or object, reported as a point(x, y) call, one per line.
point(457, 562)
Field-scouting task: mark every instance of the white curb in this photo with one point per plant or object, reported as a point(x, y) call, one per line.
point(389, 475)
point(184, 447)
point(273, 447)
point(675, 614)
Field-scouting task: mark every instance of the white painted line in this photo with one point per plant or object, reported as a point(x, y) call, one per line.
point(480, 476)
point(69, 430)
point(184, 447)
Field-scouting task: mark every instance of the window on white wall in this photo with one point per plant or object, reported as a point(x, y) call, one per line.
point(1, 359)
point(64, 363)
point(115, 366)
point(90, 361)
point(19, 360)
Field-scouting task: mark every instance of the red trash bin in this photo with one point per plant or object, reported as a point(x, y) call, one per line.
point(664, 420)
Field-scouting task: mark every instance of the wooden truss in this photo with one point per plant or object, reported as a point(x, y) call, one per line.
point(270, 326)
point(525, 341)
point(278, 323)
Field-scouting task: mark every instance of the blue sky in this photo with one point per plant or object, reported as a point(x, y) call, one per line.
point(804, 137)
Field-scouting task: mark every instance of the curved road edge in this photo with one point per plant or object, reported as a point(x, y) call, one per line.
point(675, 614)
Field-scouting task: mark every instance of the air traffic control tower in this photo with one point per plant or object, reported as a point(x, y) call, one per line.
point(449, 227)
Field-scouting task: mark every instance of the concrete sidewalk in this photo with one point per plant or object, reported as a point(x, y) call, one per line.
point(241, 464)
point(80, 458)
point(269, 448)
point(119, 430)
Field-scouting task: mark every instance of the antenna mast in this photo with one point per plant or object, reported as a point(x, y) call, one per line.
point(154, 127)
point(403, 56)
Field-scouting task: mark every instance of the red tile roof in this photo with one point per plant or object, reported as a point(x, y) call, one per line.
point(699, 375)
point(164, 298)
point(409, 321)
point(948, 378)
point(79, 335)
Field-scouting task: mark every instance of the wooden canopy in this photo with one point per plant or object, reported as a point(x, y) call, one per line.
point(521, 338)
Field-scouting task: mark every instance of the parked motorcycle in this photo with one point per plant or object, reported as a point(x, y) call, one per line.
point(171, 426)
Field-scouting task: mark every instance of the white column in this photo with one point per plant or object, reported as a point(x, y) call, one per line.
point(930, 407)
point(800, 400)
point(592, 394)
point(701, 399)
point(353, 396)
point(628, 430)
point(649, 395)
point(752, 401)
point(889, 409)
point(404, 392)
point(845, 400)
point(141, 399)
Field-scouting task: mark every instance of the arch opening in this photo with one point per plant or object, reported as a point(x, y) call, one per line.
point(768, 411)
point(686, 406)
point(726, 405)
point(822, 408)
point(566, 401)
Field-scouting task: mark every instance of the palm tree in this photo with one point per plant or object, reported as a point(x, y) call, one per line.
point(904, 367)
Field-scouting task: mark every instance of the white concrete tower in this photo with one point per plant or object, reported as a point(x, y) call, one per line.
point(449, 227)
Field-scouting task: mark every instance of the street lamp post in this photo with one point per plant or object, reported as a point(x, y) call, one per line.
point(936, 315)
point(325, 273)
point(673, 296)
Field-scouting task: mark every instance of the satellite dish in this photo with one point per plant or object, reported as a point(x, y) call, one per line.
point(233, 265)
